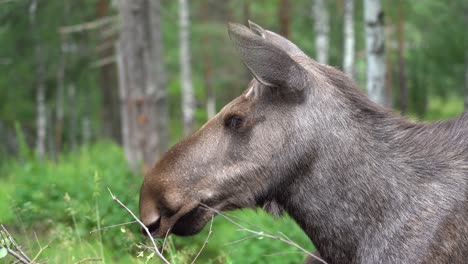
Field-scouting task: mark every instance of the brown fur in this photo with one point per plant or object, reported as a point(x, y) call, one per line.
point(366, 185)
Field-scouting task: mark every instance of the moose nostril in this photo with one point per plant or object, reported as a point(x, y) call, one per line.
point(153, 227)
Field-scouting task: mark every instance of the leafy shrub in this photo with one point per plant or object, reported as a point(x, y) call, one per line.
point(66, 199)
point(73, 192)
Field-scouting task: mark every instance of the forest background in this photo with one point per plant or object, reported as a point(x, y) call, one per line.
point(72, 74)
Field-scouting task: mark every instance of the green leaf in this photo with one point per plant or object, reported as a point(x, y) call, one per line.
point(3, 252)
point(4, 242)
point(149, 257)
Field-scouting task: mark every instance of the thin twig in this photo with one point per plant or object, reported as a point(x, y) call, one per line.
point(142, 226)
point(241, 240)
point(206, 241)
point(6, 1)
point(16, 255)
point(88, 260)
point(164, 241)
point(16, 246)
point(88, 25)
point(282, 253)
point(263, 233)
point(111, 226)
point(41, 249)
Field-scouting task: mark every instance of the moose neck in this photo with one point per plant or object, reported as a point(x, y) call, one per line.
point(354, 181)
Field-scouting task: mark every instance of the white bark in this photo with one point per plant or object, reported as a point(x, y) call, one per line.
point(41, 111)
point(348, 32)
point(322, 28)
point(124, 115)
point(86, 130)
point(159, 77)
point(59, 114)
point(211, 106)
point(188, 97)
point(142, 82)
point(466, 82)
point(73, 116)
point(375, 51)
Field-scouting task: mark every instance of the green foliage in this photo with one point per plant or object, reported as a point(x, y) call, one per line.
point(65, 200)
point(66, 195)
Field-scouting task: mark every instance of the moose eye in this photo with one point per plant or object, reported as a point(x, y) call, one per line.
point(234, 122)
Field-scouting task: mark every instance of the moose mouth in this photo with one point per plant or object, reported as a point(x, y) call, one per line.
point(185, 224)
point(181, 224)
point(188, 224)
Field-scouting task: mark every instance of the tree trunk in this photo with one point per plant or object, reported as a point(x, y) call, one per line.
point(349, 39)
point(142, 82)
point(284, 18)
point(59, 114)
point(188, 97)
point(50, 135)
point(109, 95)
point(159, 77)
point(375, 51)
point(246, 11)
point(60, 97)
point(322, 28)
point(41, 111)
point(85, 129)
point(466, 82)
point(246, 72)
point(73, 116)
point(208, 69)
point(401, 60)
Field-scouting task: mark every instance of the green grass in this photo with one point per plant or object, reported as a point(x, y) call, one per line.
point(63, 201)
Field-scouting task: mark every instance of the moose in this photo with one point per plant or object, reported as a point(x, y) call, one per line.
point(365, 184)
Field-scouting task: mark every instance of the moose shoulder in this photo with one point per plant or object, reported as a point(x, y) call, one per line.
point(366, 185)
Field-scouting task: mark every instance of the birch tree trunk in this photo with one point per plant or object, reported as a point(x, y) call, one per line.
point(284, 18)
point(246, 11)
point(245, 18)
point(322, 29)
point(349, 39)
point(401, 60)
point(188, 97)
point(375, 51)
point(142, 82)
point(109, 95)
point(108, 80)
point(73, 116)
point(208, 68)
point(466, 82)
point(60, 97)
point(41, 111)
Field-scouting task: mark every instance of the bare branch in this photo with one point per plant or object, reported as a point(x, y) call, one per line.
point(88, 260)
point(282, 253)
point(142, 226)
point(88, 25)
point(206, 241)
point(15, 245)
point(165, 239)
point(241, 240)
point(111, 226)
point(6, 1)
point(16, 255)
point(103, 62)
point(262, 233)
point(41, 249)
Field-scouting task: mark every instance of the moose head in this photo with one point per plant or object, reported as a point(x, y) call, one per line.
point(367, 186)
point(245, 154)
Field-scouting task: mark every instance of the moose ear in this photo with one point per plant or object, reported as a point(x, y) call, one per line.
point(278, 40)
point(269, 62)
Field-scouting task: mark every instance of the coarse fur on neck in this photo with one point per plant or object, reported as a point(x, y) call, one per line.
point(369, 176)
